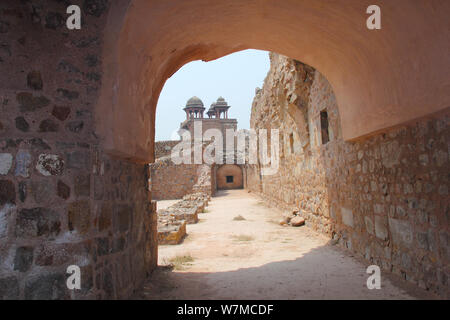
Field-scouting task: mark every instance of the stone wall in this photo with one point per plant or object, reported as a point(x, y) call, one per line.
point(232, 170)
point(384, 197)
point(164, 148)
point(173, 181)
point(62, 200)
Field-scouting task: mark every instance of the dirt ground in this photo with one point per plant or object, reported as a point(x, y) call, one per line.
point(227, 258)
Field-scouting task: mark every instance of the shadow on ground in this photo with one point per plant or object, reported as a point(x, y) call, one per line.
point(309, 277)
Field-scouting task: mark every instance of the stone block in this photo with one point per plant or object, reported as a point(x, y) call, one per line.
point(9, 288)
point(5, 213)
point(48, 125)
point(6, 160)
point(75, 126)
point(23, 162)
point(82, 185)
point(122, 218)
point(34, 80)
point(381, 230)
point(23, 191)
point(369, 224)
point(347, 216)
point(7, 192)
point(46, 287)
point(57, 254)
point(50, 164)
point(297, 221)
point(118, 245)
point(42, 190)
point(77, 160)
point(172, 234)
point(401, 232)
point(63, 190)
point(22, 124)
point(28, 103)
point(23, 259)
point(104, 220)
point(61, 113)
point(79, 215)
point(37, 222)
point(102, 246)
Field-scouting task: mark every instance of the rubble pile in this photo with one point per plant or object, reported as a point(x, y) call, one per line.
point(292, 218)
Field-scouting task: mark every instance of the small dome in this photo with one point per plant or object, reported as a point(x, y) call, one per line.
point(221, 102)
point(194, 102)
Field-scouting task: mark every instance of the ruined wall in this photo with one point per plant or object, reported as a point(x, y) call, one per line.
point(173, 181)
point(62, 200)
point(164, 148)
point(384, 197)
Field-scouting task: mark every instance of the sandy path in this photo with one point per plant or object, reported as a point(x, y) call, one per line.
point(258, 259)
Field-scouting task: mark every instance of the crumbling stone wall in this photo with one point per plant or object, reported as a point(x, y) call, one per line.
point(164, 148)
point(63, 201)
point(173, 181)
point(384, 197)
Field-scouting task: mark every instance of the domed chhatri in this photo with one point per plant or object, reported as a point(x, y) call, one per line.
point(194, 102)
point(220, 107)
point(194, 109)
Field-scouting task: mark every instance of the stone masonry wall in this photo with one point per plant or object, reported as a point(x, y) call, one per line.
point(164, 148)
point(173, 181)
point(62, 200)
point(384, 198)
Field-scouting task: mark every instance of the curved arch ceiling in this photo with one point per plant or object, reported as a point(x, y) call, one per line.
point(381, 78)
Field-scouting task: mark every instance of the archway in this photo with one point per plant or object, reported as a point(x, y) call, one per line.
point(60, 174)
point(144, 45)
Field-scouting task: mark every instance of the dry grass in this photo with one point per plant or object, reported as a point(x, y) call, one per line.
point(243, 237)
point(181, 262)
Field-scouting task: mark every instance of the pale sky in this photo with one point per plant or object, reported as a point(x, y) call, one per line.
point(233, 77)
